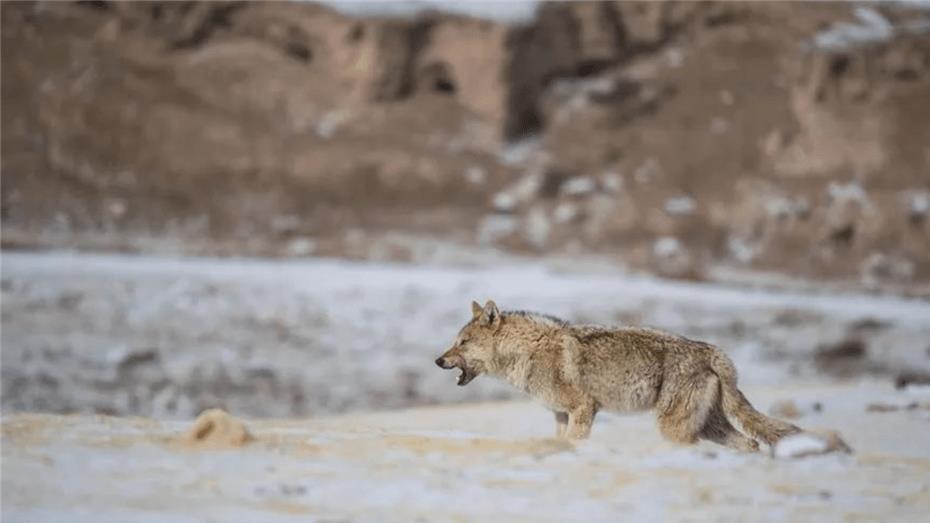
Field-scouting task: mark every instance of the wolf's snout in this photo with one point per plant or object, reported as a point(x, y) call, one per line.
point(450, 361)
point(457, 361)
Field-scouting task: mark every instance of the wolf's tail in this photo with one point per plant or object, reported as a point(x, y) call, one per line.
point(740, 413)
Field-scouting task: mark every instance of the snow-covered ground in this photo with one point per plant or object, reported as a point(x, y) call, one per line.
point(485, 462)
point(277, 341)
point(170, 337)
point(502, 11)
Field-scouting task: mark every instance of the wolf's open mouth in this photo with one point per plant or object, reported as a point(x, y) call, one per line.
point(466, 376)
point(457, 361)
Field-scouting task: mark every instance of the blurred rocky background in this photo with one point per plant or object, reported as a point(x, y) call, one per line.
point(790, 138)
point(778, 143)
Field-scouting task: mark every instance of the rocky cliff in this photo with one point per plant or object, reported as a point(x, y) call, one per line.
point(673, 136)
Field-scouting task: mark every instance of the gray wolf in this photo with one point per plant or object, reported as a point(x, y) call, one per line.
point(578, 370)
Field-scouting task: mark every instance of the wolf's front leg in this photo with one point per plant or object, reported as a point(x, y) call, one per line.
point(561, 423)
point(580, 419)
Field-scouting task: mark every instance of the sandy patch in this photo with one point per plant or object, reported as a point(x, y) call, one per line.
point(216, 429)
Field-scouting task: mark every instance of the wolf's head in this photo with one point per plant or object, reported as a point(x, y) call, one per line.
point(474, 346)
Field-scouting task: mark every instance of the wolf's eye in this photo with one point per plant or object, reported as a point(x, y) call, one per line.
point(464, 341)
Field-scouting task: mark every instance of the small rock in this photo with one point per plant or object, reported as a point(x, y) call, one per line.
point(285, 224)
point(476, 175)
point(671, 259)
point(504, 202)
point(521, 192)
point(918, 207)
point(742, 250)
point(869, 324)
point(648, 171)
point(551, 183)
point(881, 268)
point(537, 227)
point(496, 227)
point(792, 318)
point(520, 152)
point(667, 247)
point(845, 358)
point(292, 490)
point(781, 208)
point(848, 192)
point(850, 214)
point(888, 407)
point(330, 122)
point(117, 208)
point(136, 358)
point(613, 182)
point(674, 58)
point(907, 378)
point(215, 428)
point(806, 444)
point(680, 206)
point(600, 213)
point(774, 142)
point(850, 348)
point(726, 97)
point(871, 27)
point(301, 246)
point(565, 212)
point(719, 125)
point(578, 186)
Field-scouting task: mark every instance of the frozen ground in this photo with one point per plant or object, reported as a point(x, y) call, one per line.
point(170, 337)
point(503, 11)
point(486, 462)
point(277, 341)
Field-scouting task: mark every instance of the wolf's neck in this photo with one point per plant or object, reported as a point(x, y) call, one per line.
point(511, 361)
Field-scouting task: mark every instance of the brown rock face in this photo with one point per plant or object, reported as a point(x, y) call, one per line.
point(217, 119)
point(756, 134)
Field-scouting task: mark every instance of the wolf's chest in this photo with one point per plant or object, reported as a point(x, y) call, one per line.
point(536, 381)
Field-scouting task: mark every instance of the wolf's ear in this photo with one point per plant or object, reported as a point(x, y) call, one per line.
point(476, 310)
point(490, 315)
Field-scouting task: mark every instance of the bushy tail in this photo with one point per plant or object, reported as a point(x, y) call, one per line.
point(740, 413)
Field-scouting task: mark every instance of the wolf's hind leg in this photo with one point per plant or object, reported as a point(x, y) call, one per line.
point(720, 431)
point(561, 423)
point(684, 404)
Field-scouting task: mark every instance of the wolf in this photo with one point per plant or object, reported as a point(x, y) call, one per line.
point(578, 370)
